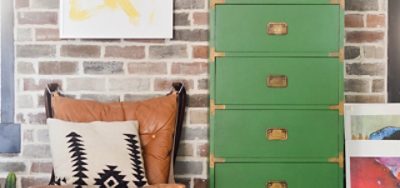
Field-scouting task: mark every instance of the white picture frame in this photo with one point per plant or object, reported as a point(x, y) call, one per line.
point(363, 146)
point(136, 19)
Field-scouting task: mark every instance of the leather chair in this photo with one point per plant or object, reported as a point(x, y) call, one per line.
point(178, 95)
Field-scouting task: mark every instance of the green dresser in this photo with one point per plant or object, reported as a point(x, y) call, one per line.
point(276, 94)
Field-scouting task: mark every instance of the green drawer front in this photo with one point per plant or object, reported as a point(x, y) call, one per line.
point(279, 2)
point(311, 28)
point(242, 80)
point(255, 175)
point(242, 133)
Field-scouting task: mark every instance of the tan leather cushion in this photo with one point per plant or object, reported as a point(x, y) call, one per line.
point(156, 125)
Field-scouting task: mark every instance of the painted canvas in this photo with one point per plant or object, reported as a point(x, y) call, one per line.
point(372, 145)
point(373, 164)
point(116, 19)
point(375, 172)
point(375, 127)
point(372, 122)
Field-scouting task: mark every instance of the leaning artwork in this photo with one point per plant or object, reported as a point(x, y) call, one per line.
point(372, 145)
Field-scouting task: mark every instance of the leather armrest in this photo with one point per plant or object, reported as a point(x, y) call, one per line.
point(166, 186)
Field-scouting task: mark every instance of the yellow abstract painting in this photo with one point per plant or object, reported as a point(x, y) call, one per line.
point(116, 19)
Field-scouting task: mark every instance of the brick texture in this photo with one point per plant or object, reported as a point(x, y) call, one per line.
point(37, 18)
point(131, 52)
point(58, 68)
point(354, 20)
point(82, 51)
point(136, 69)
point(366, 51)
point(376, 20)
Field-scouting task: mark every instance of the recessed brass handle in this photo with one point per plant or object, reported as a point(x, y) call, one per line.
point(277, 28)
point(277, 81)
point(277, 134)
point(277, 184)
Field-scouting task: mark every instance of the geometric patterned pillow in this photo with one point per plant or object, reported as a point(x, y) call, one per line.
point(100, 154)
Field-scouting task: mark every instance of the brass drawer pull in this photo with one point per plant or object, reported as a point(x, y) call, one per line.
point(277, 28)
point(277, 184)
point(277, 81)
point(277, 134)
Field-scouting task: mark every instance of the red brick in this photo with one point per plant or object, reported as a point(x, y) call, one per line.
point(168, 51)
point(354, 20)
point(199, 100)
point(21, 4)
point(37, 18)
point(203, 150)
point(181, 19)
point(191, 35)
point(200, 52)
point(200, 18)
point(362, 5)
point(200, 183)
point(365, 98)
point(33, 51)
point(47, 34)
point(154, 41)
point(31, 181)
point(364, 36)
point(129, 52)
point(189, 68)
point(41, 167)
point(58, 68)
point(84, 51)
point(32, 85)
point(376, 21)
point(147, 68)
point(166, 84)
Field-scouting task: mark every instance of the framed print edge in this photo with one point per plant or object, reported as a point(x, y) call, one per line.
point(347, 121)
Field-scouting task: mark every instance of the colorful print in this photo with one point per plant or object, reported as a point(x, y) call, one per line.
point(375, 127)
point(369, 172)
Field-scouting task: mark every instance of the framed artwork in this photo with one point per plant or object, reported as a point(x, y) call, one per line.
point(116, 19)
point(372, 121)
point(372, 145)
point(372, 164)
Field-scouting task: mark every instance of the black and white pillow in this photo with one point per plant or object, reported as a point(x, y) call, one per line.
point(103, 154)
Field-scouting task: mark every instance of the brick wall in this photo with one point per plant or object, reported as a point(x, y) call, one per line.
point(112, 70)
point(366, 51)
point(107, 70)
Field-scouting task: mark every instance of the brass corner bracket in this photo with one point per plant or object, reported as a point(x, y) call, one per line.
point(339, 107)
point(340, 2)
point(339, 54)
point(215, 2)
point(339, 159)
point(214, 160)
point(214, 107)
point(214, 54)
